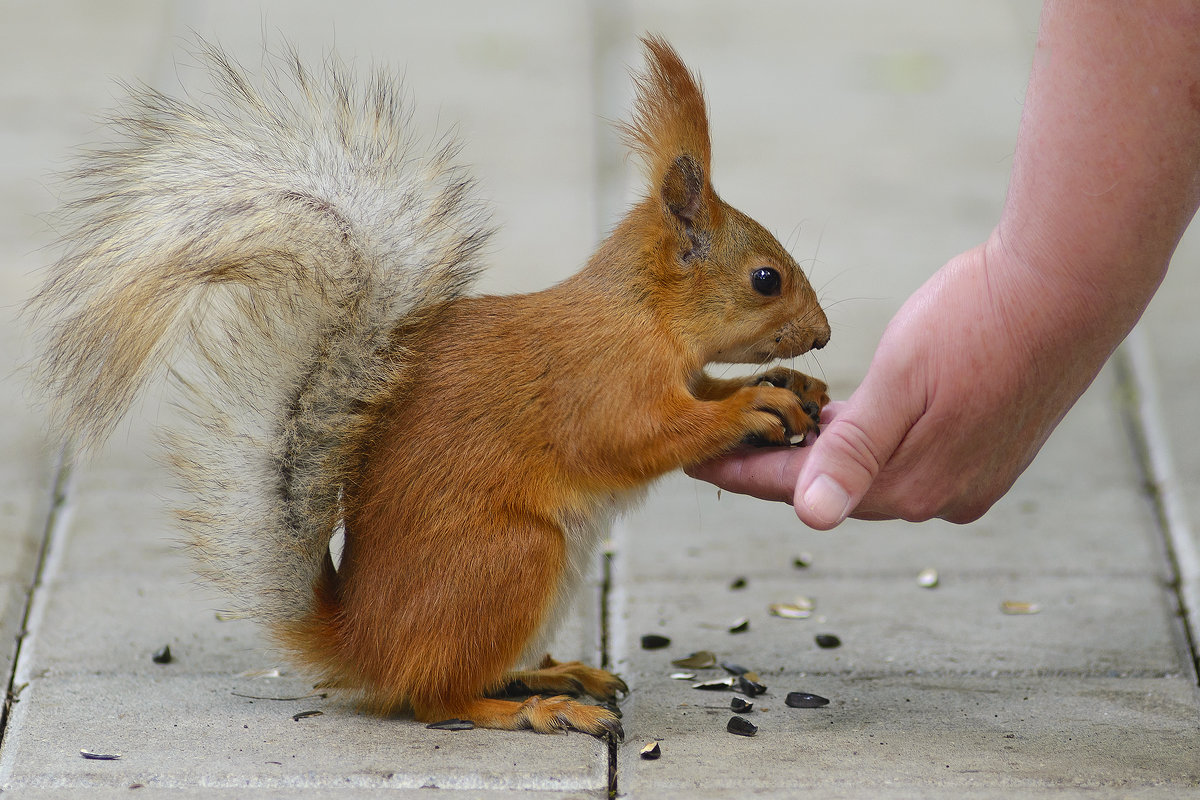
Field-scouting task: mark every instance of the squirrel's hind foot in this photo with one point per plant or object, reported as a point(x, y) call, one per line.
point(541, 714)
point(564, 677)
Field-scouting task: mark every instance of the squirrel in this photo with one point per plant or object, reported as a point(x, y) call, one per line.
point(297, 267)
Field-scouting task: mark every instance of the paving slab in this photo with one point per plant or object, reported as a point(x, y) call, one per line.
point(904, 140)
point(117, 588)
point(924, 736)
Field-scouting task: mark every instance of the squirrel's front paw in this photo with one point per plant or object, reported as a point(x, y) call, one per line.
point(812, 395)
point(777, 416)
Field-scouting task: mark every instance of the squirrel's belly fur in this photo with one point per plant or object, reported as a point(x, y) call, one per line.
point(301, 266)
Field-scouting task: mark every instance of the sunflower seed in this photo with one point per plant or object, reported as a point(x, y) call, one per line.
point(733, 669)
point(928, 578)
point(739, 706)
point(451, 725)
point(738, 583)
point(1017, 607)
point(683, 676)
point(717, 685)
point(88, 754)
point(653, 641)
point(740, 625)
point(651, 751)
point(827, 641)
point(741, 726)
point(748, 687)
point(788, 611)
point(306, 714)
point(162, 655)
point(701, 659)
point(805, 700)
point(802, 561)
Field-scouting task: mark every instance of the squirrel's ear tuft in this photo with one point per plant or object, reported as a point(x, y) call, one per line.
point(669, 120)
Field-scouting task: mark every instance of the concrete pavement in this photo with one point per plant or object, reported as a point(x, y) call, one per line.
point(874, 139)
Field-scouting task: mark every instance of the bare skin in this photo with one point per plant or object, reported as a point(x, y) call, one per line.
point(982, 362)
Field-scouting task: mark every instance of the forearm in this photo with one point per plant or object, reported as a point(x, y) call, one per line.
point(1106, 175)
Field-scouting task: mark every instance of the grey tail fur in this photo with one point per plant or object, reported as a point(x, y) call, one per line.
point(268, 247)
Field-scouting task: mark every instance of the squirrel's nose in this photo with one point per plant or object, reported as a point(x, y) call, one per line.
point(821, 339)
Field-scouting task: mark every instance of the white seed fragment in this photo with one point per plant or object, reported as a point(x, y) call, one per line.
point(1019, 607)
point(928, 578)
point(683, 676)
point(788, 611)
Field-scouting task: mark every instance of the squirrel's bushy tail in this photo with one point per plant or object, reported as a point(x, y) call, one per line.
point(268, 245)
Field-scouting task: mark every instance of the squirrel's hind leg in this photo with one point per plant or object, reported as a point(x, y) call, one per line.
point(541, 714)
point(565, 677)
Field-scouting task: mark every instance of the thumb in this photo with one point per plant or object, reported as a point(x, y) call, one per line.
point(853, 447)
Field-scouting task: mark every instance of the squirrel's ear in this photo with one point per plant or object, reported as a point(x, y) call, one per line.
point(670, 123)
point(683, 189)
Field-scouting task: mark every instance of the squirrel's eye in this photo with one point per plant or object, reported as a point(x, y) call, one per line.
point(765, 281)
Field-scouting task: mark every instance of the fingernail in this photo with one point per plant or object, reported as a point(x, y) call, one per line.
point(827, 501)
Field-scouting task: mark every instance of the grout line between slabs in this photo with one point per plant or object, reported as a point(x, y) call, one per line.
point(1136, 364)
point(58, 515)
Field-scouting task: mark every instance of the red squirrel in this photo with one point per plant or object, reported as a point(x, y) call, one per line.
point(300, 267)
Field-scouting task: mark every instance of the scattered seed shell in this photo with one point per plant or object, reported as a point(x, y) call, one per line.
point(802, 561)
point(805, 700)
point(1018, 607)
point(654, 641)
point(928, 578)
point(717, 685)
point(683, 676)
point(740, 625)
point(651, 751)
point(701, 659)
point(748, 687)
point(739, 706)
point(738, 583)
point(451, 725)
point(827, 641)
point(162, 655)
point(305, 715)
point(741, 726)
point(733, 669)
point(788, 611)
point(88, 754)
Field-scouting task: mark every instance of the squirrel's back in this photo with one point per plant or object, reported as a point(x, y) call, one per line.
point(268, 245)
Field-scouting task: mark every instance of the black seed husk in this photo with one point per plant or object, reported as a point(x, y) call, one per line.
point(654, 641)
point(827, 641)
point(162, 655)
point(738, 583)
point(805, 700)
point(99, 756)
point(734, 669)
point(748, 687)
point(651, 751)
point(739, 706)
point(305, 714)
point(451, 725)
point(740, 626)
point(741, 726)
